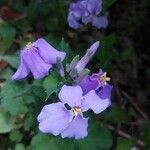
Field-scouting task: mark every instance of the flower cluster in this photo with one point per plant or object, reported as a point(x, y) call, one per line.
point(89, 92)
point(87, 11)
point(56, 119)
point(37, 58)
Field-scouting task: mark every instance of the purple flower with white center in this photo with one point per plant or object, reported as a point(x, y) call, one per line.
point(55, 118)
point(37, 58)
point(86, 58)
point(97, 82)
point(86, 11)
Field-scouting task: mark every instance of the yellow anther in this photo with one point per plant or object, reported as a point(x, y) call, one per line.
point(76, 111)
point(29, 45)
point(104, 78)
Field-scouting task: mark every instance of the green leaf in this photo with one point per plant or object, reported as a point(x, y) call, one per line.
point(6, 73)
point(15, 136)
point(124, 144)
point(40, 141)
point(116, 115)
point(6, 122)
point(99, 138)
point(20, 146)
point(12, 60)
point(15, 106)
point(7, 36)
point(69, 53)
point(29, 120)
point(39, 91)
point(12, 99)
point(48, 142)
point(59, 144)
point(13, 89)
point(50, 84)
point(108, 3)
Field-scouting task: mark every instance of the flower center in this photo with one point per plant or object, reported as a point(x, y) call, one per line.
point(104, 78)
point(76, 111)
point(29, 45)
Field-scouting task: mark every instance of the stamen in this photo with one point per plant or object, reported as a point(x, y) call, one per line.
point(76, 111)
point(104, 78)
point(29, 45)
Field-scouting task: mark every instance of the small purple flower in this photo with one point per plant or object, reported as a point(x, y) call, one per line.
point(86, 11)
point(97, 82)
point(37, 58)
point(55, 118)
point(86, 58)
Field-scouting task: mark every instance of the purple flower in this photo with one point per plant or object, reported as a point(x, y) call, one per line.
point(37, 58)
point(55, 118)
point(86, 58)
point(86, 11)
point(73, 22)
point(97, 82)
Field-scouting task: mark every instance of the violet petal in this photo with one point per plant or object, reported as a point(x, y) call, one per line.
point(77, 128)
point(94, 102)
point(54, 118)
point(71, 95)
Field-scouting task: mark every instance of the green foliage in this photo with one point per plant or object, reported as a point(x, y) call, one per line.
point(15, 136)
point(39, 91)
point(19, 146)
point(7, 35)
point(13, 101)
point(124, 144)
point(10, 88)
point(98, 138)
point(6, 73)
point(65, 47)
point(51, 83)
point(12, 60)
point(40, 141)
point(47, 142)
point(116, 115)
point(29, 120)
point(6, 122)
point(15, 106)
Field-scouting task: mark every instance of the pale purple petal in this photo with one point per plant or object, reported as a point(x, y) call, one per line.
point(86, 19)
point(75, 10)
point(77, 128)
point(100, 22)
point(83, 7)
point(22, 71)
point(94, 6)
point(48, 53)
point(54, 118)
point(86, 58)
point(71, 95)
point(92, 101)
point(73, 22)
point(87, 84)
point(94, 78)
point(105, 92)
point(35, 63)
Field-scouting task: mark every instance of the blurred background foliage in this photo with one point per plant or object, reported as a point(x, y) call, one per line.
point(123, 53)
